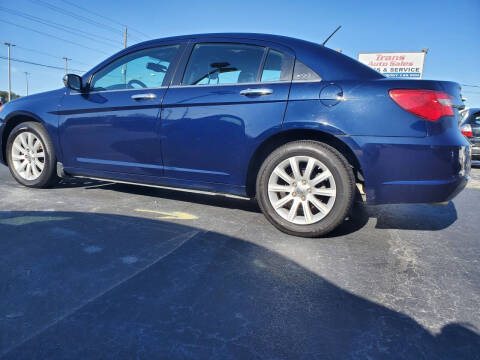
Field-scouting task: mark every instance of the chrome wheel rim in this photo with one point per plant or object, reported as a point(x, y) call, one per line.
point(28, 156)
point(302, 190)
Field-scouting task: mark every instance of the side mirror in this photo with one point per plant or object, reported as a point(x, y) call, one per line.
point(73, 81)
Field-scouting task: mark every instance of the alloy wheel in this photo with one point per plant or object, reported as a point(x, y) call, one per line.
point(302, 190)
point(28, 156)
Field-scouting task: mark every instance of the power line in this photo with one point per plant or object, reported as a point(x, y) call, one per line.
point(476, 86)
point(38, 64)
point(106, 18)
point(65, 28)
point(74, 15)
point(50, 55)
point(53, 36)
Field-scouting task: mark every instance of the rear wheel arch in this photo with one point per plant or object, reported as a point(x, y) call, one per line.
point(279, 139)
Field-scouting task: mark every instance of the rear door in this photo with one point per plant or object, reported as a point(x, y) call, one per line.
point(230, 93)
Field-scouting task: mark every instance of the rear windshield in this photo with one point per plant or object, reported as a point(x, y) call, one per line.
point(333, 65)
point(469, 118)
point(475, 119)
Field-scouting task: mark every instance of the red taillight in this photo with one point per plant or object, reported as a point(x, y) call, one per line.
point(427, 104)
point(467, 130)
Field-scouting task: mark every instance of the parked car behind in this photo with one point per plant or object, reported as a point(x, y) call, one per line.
point(470, 127)
point(296, 125)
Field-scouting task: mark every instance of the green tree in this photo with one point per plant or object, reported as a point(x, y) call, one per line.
point(4, 96)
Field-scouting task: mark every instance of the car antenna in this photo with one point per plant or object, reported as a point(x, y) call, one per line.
point(333, 33)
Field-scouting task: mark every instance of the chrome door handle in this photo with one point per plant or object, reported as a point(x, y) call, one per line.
point(143, 96)
point(256, 92)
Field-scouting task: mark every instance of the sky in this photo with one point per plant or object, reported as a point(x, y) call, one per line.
point(449, 29)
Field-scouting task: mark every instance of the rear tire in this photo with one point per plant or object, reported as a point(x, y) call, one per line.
point(31, 156)
point(305, 188)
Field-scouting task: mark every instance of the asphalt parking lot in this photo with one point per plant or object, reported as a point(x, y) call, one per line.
point(94, 270)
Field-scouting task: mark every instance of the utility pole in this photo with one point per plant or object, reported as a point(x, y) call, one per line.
point(26, 79)
point(125, 65)
point(66, 63)
point(425, 51)
point(9, 76)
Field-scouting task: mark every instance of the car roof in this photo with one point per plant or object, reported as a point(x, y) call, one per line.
point(333, 65)
point(285, 40)
point(467, 112)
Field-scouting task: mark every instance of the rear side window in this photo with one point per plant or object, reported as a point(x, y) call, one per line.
point(278, 67)
point(303, 73)
point(137, 70)
point(222, 63)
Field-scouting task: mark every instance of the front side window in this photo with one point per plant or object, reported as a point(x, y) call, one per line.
point(138, 70)
point(219, 63)
point(278, 67)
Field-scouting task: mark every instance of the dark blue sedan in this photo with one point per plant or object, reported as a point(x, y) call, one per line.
point(300, 127)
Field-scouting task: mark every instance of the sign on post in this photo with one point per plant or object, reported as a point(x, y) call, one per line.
point(397, 65)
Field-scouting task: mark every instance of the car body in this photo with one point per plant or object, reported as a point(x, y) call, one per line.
point(470, 127)
point(214, 137)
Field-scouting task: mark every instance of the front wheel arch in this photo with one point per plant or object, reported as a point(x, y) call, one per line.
point(11, 122)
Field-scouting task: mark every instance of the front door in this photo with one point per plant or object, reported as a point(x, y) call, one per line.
point(114, 127)
point(229, 95)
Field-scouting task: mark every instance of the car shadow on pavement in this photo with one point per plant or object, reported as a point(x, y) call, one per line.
point(101, 286)
point(395, 216)
point(190, 197)
point(414, 216)
point(70, 182)
point(423, 217)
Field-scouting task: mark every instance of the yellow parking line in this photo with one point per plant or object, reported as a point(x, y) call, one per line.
point(175, 215)
point(473, 187)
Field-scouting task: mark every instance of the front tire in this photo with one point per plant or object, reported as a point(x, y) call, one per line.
point(31, 156)
point(305, 188)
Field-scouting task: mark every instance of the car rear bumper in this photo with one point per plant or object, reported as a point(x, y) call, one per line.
point(413, 170)
point(422, 191)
